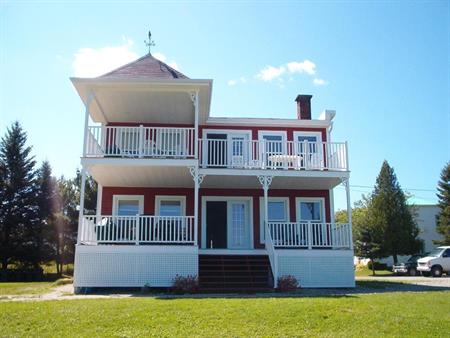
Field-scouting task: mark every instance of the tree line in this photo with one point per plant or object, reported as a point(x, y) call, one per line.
point(38, 212)
point(385, 225)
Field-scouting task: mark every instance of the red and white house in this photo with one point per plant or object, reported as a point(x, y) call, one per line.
point(238, 202)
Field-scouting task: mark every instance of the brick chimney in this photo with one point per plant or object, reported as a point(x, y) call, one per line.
point(303, 107)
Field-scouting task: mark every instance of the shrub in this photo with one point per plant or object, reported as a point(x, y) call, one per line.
point(287, 283)
point(377, 265)
point(184, 284)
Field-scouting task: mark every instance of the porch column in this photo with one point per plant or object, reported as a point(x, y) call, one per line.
point(99, 202)
point(86, 122)
point(265, 182)
point(194, 98)
point(346, 183)
point(198, 179)
point(81, 211)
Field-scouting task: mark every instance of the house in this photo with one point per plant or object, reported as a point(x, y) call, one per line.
point(425, 215)
point(237, 202)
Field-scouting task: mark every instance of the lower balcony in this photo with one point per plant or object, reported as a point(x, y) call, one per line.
point(138, 230)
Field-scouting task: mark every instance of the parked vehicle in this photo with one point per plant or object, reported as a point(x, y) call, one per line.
point(409, 267)
point(436, 262)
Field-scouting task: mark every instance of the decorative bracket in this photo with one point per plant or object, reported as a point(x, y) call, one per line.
point(196, 176)
point(345, 181)
point(193, 96)
point(265, 181)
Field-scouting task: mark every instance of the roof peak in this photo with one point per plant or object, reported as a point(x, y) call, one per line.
point(146, 66)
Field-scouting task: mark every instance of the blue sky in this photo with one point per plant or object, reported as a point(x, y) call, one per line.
point(383, 66)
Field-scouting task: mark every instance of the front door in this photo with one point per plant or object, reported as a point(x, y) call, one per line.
point(216, 225)
point(238, 225)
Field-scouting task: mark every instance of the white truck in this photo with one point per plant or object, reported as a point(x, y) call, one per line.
point(435, 263)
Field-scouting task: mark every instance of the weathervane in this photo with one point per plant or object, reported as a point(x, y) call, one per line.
point(150, 42)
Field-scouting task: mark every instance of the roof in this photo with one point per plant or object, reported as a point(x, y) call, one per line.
point(145, 67)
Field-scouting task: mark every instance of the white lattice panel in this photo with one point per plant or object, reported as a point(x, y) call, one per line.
point(329, 268)
point(113, 266)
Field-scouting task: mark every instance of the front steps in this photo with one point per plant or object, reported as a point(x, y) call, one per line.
point(235, 273)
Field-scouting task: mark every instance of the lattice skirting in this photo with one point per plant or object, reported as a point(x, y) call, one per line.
point(318, 268)
point(132, 266)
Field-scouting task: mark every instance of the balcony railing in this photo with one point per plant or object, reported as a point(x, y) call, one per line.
point(261, 154)
point(138, 230)
point(140, 142)
point(310, 235)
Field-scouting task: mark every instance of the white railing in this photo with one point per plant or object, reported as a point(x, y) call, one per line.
point(138, 230)
point(310, 235)
point(140, 142)
point(242, 154)
point(273, 259)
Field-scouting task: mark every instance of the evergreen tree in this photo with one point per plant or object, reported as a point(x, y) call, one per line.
point(389, 212)
point(47, 206)
point(18, 198)
point(443, 218)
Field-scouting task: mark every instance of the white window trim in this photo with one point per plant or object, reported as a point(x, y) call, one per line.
point(117, 198)
point(229, 133)
point(261, 213)
point(309, 199)
point(283, 133)
point(308, 133)
point(227, 199)
point(159, 198)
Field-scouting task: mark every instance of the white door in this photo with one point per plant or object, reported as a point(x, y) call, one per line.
point(238, 150)
point(238, 225)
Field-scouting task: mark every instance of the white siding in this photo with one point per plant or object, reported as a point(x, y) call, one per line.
point(133, 266)
point(318, 268)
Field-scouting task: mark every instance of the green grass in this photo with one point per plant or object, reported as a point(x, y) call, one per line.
point(25, 288)
point(393, 314)
point(365, 272)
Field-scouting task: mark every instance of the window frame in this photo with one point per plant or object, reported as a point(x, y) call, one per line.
point(261, 214)
point(117, 198)
point(298, 200)
point(180, 198)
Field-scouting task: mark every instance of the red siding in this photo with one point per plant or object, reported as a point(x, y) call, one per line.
point(150, 193)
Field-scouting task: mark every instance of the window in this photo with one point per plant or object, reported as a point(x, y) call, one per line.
point(128, 205)
point(278, 211)
point(312, 153)
point(170, 205)
point(310, 210)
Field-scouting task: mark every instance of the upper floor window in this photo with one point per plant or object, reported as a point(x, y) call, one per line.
point(128, 205)
point(170, 205)
point(310, 209)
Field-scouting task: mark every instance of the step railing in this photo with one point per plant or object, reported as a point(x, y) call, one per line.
point(140, 142)
point(138, 230)
point(262, 154)
point(310, 235)
point(273, 258)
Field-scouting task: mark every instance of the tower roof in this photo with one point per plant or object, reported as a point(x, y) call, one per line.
point(145, 67)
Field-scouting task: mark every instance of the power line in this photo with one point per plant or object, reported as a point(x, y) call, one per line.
point(411, 189)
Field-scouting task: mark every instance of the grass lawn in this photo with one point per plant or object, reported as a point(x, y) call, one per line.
point(393, 314)
point(25, 288)
point(364, 272)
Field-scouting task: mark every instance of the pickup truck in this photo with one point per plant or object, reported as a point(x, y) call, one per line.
point(436, 263)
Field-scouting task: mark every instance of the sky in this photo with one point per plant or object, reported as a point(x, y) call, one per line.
point(383, 66)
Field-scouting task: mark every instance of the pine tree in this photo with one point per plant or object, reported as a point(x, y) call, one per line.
point(388, 211)
point(18, 198)
point(47, 199)
point(443, 218)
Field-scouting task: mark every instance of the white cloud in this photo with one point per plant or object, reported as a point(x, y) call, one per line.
point(163, 58)
point(91, 62)
point(234, 82)
point(270, 72)
point(320, 82)
point(306, 66)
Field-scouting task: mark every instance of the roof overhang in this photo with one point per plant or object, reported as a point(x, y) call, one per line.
point(144, 100)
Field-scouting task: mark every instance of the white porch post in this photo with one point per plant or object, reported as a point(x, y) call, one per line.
point(194, 98)
point(81, 211)
point(265, 183)
point(86, 122)
point(99, 202)
point(198, 179)
point(346, 183)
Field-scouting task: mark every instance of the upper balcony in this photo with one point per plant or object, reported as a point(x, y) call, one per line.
point(179, 143)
